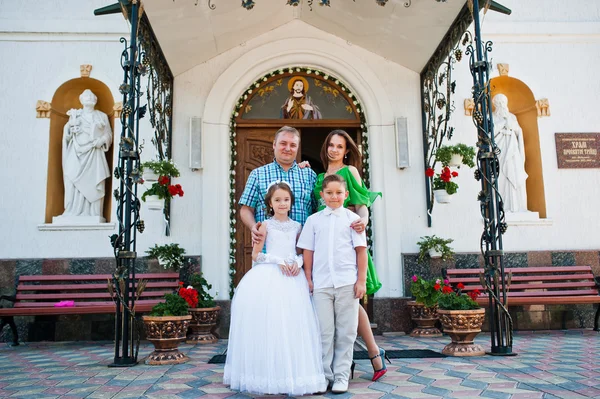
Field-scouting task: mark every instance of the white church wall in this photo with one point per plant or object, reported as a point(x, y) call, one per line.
point(45, 53)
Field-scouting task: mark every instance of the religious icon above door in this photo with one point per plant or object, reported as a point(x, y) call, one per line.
point(299, 105)
point(286, 96)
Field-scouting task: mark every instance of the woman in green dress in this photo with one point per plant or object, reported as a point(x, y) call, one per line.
point(340, 155)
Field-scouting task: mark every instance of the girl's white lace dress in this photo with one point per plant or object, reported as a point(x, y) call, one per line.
point(274, 339)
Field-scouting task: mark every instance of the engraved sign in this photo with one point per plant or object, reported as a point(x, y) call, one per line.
point(578, 150)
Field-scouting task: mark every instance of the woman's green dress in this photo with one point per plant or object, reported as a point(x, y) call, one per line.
point(358, 195)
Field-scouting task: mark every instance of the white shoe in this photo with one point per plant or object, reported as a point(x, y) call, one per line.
point(339, 386)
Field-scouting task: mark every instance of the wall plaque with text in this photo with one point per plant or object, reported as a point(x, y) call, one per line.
point(578, 150)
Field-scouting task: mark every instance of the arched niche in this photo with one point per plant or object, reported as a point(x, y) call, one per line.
point(521, 103)
point(65, 98)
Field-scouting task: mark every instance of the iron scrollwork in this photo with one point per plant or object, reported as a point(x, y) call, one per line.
point(492, 210)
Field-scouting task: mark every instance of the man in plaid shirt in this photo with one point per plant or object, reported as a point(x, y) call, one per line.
point(283, 168)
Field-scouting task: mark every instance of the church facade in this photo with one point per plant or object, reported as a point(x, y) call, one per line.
point(361, 69)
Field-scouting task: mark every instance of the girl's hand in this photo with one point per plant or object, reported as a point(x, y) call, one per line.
point(304, 164)
point(359, 225)
point(311, 287)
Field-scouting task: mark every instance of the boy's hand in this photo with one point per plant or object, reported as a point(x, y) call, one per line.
point(257, 236)
point(360, 289)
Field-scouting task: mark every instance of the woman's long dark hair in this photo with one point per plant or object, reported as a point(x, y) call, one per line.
point(354, 158)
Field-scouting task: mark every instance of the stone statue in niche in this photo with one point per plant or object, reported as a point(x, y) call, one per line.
point(509, 139)
point(299, 105)
point(86, 138)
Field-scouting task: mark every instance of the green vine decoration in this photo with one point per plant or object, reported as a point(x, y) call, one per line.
point(233, 152)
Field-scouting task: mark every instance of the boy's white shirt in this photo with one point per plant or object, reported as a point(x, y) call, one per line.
point(329, 235)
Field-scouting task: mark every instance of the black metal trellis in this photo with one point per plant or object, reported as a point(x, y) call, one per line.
point(488, 168)
point(140, 57)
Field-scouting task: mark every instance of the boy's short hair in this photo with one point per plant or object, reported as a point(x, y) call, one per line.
point(334, 178)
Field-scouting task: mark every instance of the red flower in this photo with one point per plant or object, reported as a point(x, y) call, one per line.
point(190, 295)
point(181, 283)
point(173, 190)
point(162, 180)
point(474, 294)
point(429, 172)
point(436, 287)
point(447, 289)
point(460, 286)
point(179, 190)
point(141, 181)
point(454, 174)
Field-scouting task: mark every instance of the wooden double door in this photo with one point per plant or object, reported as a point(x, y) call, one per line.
point(254, 149)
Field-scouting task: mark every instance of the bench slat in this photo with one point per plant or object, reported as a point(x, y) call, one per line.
point(87, 287)
point(516, 278)
point(77, 304)
point(76, 295)
point(543, 286)
point(93, 277)
point(53, 311)
point(528, 270)
point(519, 301)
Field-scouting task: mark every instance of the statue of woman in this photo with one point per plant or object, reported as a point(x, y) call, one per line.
point(509, 139)
point(86, 137)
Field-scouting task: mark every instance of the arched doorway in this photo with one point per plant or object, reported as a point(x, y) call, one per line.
point(263, 109)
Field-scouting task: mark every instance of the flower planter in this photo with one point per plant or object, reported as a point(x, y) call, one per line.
point(150, 176)
point(154, 202)
point(425, 318)
point(456, 160)
point(434, 254)
point(204, 320)
point(462, 326)
point(166, 333)
point(442, 196)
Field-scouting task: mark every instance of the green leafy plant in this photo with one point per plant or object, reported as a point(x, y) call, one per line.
point(437, 244)
point(458, 300)
point(161, 168)
point(444, 154)
point(173, 305)
point(205, 300)
point(170, 255)
point(426, 292)
point(166, 170)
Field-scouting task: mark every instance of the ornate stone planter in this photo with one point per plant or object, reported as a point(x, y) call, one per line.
point(166, 333)
point(462, 326)
point(204, 320)
point(425, 319)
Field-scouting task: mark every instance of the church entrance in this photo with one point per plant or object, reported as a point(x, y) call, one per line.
point(310, 101)
point(254, 149)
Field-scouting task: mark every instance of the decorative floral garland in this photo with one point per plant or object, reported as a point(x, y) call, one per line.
point(233, 151)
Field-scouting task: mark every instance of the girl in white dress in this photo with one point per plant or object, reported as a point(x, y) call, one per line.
point(274, 340)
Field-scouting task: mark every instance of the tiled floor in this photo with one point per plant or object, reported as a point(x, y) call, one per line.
point(559, 364)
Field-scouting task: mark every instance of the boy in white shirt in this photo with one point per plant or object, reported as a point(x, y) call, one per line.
point(335, 265)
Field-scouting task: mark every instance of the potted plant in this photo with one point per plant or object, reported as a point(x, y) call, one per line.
point(153, 169)
point(169, 256)
point(204, 313)
point(435, 247)
point(462, 318)
point(443, 186)
point(161, 173)
point(423, 310)
point(456, 155)
point(166, 327)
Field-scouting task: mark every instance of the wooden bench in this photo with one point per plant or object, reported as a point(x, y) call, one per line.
point(556, 285)
point(37, 295)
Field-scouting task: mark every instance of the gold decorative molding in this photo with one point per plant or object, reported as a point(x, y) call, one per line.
point(118, 109)
point(43, 109)
point(503, 69)
point(469, 106)
point(85, 70)
point(543, 107)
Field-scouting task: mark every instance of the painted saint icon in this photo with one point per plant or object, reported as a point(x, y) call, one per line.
point(299, 105)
